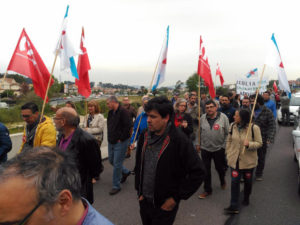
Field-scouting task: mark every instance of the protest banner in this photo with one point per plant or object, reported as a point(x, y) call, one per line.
point(249, 86)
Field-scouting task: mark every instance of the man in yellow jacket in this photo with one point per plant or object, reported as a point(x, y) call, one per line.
point(36, 133)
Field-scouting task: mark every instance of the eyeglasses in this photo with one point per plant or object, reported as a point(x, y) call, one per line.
point(26, 116)
point(31, 212)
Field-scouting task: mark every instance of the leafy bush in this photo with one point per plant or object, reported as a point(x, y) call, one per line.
point(10, 115)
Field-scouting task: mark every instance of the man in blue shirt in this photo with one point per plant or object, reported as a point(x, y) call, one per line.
point(270, 104)
point(52, 185)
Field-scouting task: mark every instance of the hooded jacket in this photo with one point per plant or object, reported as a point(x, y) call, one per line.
point(45, 134)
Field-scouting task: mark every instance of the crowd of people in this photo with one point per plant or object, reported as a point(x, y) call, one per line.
point(61, 157)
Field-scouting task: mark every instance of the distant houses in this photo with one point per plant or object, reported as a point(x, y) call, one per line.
point(10, 84)
point(71, 88)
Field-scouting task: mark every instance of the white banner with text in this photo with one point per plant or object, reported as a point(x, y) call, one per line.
point(249, 85)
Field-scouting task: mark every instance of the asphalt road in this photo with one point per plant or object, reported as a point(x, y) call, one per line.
point(274, 201)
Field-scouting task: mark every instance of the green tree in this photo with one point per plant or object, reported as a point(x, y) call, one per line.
point(163, 90)
point(7, 93)
point(92, 84)
point(192, 84)
point(143, 90)
point(270, 85)
point(55, 89)
point(222, 91)
point(178, 86)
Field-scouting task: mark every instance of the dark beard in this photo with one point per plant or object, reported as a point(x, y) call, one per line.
point(225, 106)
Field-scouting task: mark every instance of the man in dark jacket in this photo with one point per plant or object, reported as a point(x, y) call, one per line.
point(118, 134)
point(168, 168)
point(263, 117)
point(83, 146)
point(132, 114)
point(227, 108)
point(5, 143)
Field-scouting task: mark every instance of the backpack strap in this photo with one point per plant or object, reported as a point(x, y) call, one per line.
point(231, 128)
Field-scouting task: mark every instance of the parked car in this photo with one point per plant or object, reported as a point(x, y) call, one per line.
point(296, 145)
point(294, 106)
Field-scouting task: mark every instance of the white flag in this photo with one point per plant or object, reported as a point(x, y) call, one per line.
point(274, 60)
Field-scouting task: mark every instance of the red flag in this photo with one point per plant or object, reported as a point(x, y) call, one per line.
point(204, 70)
point(275, 87)
point(27, 61)
point(83, 68)
point(218, 72)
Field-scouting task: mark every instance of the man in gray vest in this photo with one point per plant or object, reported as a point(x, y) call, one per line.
point(214, 127)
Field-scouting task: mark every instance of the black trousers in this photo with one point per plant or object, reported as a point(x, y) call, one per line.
point(285, 116)
point(261, 153)
point(155, 215)
point(236, 175)
point(219, 161)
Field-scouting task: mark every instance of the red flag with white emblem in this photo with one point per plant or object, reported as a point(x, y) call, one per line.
point(27, 61)
point(204, 70)
point(83, 68)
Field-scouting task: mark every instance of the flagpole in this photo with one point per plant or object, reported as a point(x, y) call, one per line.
point(252, 111)
point(86, 106)
point(48, 86)
point(149, 90)
point(199, 109)
point(151, 83)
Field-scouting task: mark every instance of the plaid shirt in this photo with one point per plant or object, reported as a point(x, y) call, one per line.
point(266, 122)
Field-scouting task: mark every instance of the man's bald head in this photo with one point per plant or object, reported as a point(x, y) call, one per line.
point(67, 110)
point(70, 115)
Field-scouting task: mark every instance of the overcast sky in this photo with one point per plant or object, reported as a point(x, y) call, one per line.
point(124, 37)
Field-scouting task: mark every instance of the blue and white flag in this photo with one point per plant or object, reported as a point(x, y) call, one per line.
point(66, 49)
point(252, 73)
point(161, 69)
point(274, 60)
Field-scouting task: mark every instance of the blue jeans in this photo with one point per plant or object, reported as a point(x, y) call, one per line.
point(116, 156)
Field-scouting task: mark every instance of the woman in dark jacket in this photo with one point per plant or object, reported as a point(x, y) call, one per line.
point(182, 119)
